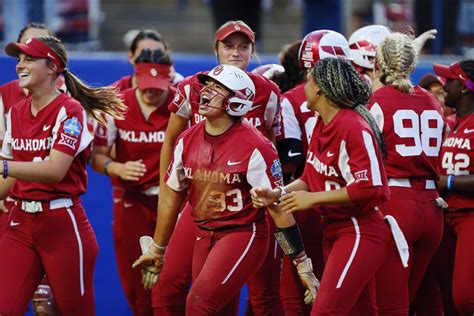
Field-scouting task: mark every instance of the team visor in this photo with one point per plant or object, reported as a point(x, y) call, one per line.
point(454, 71)
point(233, 28)
point(36, 49)
point(156, 76)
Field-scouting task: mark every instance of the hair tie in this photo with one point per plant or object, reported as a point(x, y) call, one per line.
point(383, 79)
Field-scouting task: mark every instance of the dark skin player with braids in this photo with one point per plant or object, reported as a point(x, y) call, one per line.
point(345, 180)
point(47, 145)
point(456, 182)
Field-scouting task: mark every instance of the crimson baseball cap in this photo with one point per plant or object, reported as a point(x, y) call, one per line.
point(427, 80)
point(36, 49)
point(454, 71)
point(233, 27)
point(153, 76)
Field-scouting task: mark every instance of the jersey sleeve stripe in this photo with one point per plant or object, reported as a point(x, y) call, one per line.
point(343, 164)
point(7, 141)
point(185, 109)
point(111, 130)
point(374, 163)
point(291, 128)
point(86, 136)
point(377, 113)
point(271, 110)
point(176, 179)
point(257, 171)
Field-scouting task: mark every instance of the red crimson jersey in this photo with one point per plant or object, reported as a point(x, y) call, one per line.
point(11, 94)
point(457, 157)
point(297, 120)
point(263, 115)
point(59, 126)
point(137, 138)
point(219, 174)
point(413, 128)
point(344, 154)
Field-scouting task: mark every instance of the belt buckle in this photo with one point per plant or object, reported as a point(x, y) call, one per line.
point(31, 206)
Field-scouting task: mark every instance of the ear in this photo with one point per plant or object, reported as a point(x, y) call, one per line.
point(52, 67)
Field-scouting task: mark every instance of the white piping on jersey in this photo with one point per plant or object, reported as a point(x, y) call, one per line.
point(111, 130)
point(353, 253)
point(254, 230)
point(343, 164)
point(177, 177)
point(62, 115)
point(81, 255)
point(86, 136)
point(257, 171)
point(271, 110)
point(185, 108)
point(374, 163)
point(7, 141)
point(291, 127)
point(377, 113)
point(3, 127)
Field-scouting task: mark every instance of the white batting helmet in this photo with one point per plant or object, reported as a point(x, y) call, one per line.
point(363, 44)
point(237, 81)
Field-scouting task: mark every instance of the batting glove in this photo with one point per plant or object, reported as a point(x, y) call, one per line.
point(151, 261)
point(309, 280)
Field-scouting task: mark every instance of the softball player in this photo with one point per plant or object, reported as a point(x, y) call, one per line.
point(234, 45)
point(297, 127)
point(48, 147)
point(150, 39)
point(345, 179)
point(136, 166)
point(457, 180)
point(11, 93)
point(231, 234)
point(412, 124)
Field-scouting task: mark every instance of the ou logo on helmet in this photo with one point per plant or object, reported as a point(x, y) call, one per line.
point(217, 70)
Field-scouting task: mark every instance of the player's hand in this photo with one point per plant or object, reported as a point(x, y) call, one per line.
point(296, 201)
point(420, 41)
point(132, 170)
point(151, 261)
point(262, 197)
point(151, 269)
point(309, 280)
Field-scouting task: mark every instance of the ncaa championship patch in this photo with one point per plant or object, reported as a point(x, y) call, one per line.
point(276, 170)
point(73, 127)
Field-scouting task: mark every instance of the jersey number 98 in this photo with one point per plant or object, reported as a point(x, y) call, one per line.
point(426, 138)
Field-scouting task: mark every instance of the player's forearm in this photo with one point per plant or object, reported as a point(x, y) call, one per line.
point(334, 197)
point(168, 209)
point(41, 171)
point(462, 184)
point(297, 185)
point(281, 219)
point(5, 185)
point(99, 160)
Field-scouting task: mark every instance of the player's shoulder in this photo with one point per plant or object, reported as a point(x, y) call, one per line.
point(296, 93)
point(11, 85)
point(249, 136)
point(263, 83)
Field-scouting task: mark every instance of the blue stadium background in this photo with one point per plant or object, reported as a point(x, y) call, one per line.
point(102, 69)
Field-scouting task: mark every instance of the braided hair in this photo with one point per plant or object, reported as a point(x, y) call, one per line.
point(342, 85)
point(396, 57)
point(157, 56)
point(468, 67)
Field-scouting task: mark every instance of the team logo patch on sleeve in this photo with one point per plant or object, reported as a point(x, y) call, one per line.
point(361, 176)
point(68, 141)
point(276, 170)
point(178, 99)
point(73, 127)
